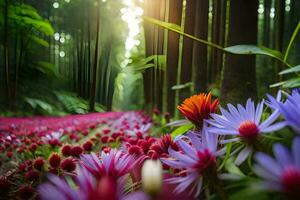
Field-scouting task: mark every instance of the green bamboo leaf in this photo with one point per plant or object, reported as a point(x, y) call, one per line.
point(177, 29)
point(238, 49)
point(291, 42)
point(163, 24)
point(254, 50)
point(291, 70)
point(178, 122)
point(291, 83)
point(158, 61)
point(181, 130)
point(143, 68)
point(182, 86)
point(39, 41)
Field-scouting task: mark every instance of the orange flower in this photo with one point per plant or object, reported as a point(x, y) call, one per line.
point(198, 107)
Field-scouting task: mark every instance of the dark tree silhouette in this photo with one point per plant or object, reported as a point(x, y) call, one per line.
point(239, 76)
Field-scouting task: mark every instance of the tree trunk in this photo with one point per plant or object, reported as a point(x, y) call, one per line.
point(187, 51)
point(149, 35)
point(216, 22)
point(200, 50)
point(89, 53)
point(95, 68)
point(6, 54)
point(158, 48)
point(279, 33)
point(239, 77)
point(173, 52)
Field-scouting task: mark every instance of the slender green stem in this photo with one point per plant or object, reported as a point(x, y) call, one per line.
point(228, 152)
point(291, 43)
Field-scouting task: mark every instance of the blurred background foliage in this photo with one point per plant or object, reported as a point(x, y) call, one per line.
point(77, 56)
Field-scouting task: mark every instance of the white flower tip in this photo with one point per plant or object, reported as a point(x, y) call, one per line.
point(152, 177)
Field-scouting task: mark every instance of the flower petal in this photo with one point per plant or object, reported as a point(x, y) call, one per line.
point(242, 156)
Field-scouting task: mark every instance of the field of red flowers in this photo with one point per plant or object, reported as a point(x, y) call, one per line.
point(33, 147)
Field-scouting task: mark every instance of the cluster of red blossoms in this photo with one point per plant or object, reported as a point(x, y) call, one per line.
point(32, 148)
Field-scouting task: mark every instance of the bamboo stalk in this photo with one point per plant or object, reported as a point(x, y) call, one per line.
point(95, 68)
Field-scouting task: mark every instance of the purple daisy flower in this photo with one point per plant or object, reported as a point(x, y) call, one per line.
point(115, 163)
point(86, 187)
point(243, 123)
point(290, 109)
point(273, 102)
point(282, 173)
point(198, 157)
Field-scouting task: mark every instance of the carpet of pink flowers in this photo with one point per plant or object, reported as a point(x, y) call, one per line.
point(31, 148)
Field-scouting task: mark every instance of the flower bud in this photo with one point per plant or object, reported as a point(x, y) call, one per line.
point(152, 177)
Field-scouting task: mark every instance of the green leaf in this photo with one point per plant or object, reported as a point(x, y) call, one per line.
point(181, 130)
point(232, 168)
point(144, 67)
point(177, 29)
point(39, 41)
point(75, 104)
point(158, 61)
point(291, 83)
point(238, 49)
point(227, 155)
point(248, 194)
point(25, 11)
point(163, 24)
point(27, 17)
point(42, 26)
point(182, 86)
point(254, 50)
point(291, 42)
point(35, 103)
point(46, 68)
point(178, 122)
point(290, 70)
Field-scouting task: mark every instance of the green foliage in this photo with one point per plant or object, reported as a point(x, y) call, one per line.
point(74, 104)
point(26, 17)
point(238, 49)
point(38, 40)
point(292, 82)
point(183, 86)
point(175, 28)
point(149, 62)
point(232, 168)
point(295, 69)
point(46, 68)
point(128, 94)
point(254, 50)
point(65, 103)
point(181, 130)
point(293, 37)
point(40, 106)
point(249, 194)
